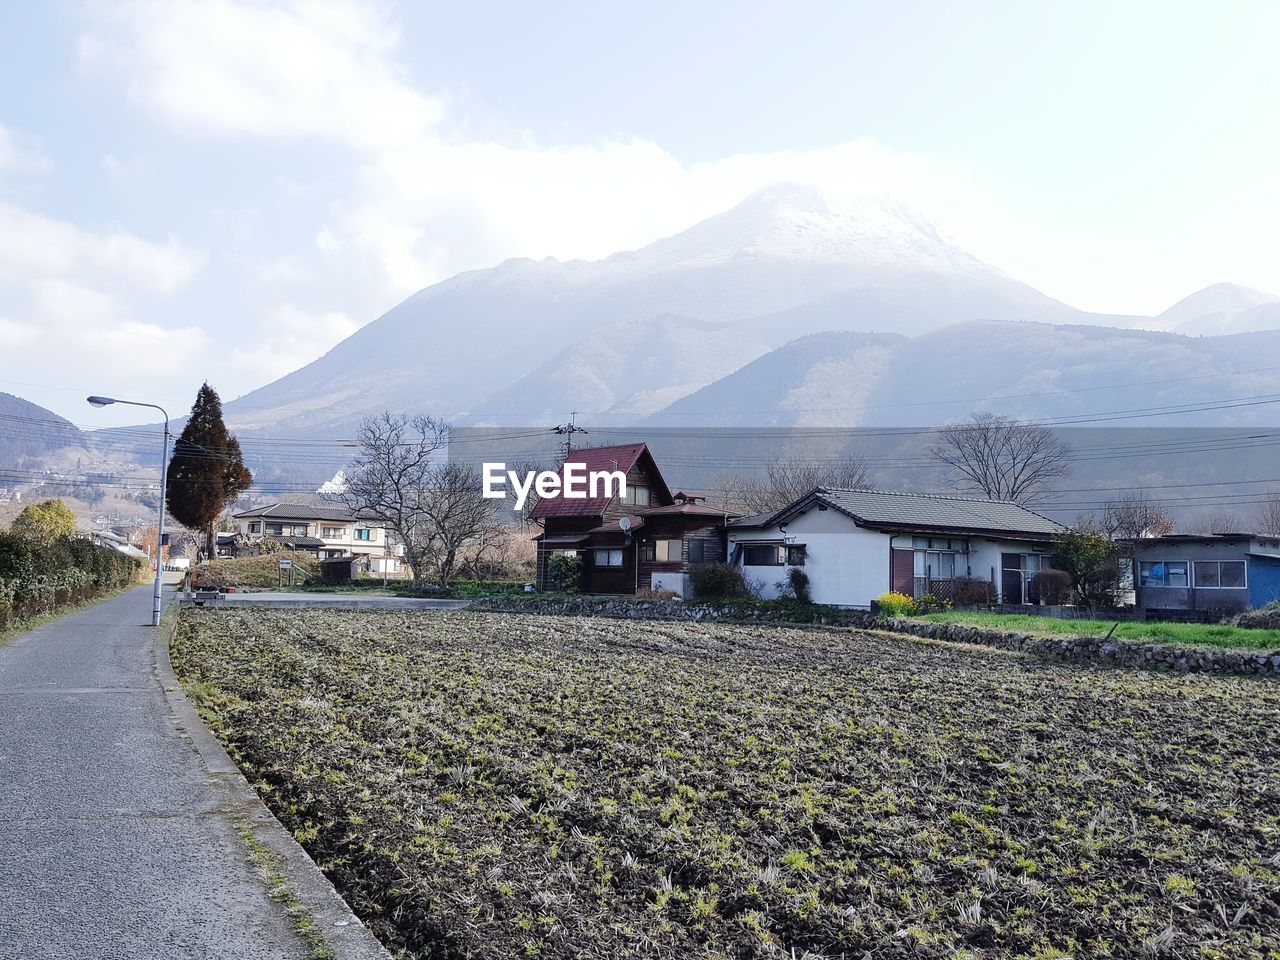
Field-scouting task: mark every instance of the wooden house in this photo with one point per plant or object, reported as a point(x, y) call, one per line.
point(645, 539)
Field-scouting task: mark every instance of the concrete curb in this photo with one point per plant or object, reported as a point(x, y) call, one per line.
point(341, 931)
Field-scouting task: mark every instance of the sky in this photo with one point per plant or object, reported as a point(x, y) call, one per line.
point(223, 190)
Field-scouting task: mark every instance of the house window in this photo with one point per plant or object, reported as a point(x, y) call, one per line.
point(940, 544)
point(331, 533)
point(255, 528)
point(1163, 573)
point(762, 555)
point(935, 564)
point(636, 496)
point(363, 533)
point(1220, 574)
point(661, 551)
point(275, 529)
point(795, 555)
point(607, 558)
point(699, 550)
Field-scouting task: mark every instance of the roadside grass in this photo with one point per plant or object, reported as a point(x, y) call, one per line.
point(1177, 634)
point(488, 786)
point(299, 917)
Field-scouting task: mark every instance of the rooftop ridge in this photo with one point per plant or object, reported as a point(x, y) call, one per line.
point(912, 493)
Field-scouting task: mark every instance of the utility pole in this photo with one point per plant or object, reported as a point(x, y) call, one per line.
point(567, 430)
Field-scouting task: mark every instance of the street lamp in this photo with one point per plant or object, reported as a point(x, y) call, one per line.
point(164, 469)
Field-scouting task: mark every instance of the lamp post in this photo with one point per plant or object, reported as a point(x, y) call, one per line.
point(164, 470)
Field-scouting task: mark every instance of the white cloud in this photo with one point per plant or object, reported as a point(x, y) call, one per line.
point(425, 212)
point(70, 300)
point(425, 204)
point(34, 247)
point(307, 67)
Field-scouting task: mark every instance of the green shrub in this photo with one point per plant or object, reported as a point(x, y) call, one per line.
point(1092, 561)
point(38, 577)
point(564, 572)
point(717, 581)
point(796, 586)
point(894, 604)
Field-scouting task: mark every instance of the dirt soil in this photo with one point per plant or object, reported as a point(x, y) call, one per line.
point(494, 785)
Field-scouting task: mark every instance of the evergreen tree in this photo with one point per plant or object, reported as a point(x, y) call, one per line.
point(207, 470)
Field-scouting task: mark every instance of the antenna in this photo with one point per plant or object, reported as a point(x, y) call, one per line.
point(567, 430)
point(625, 524)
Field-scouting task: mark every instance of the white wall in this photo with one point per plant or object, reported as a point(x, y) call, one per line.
point(847, 565)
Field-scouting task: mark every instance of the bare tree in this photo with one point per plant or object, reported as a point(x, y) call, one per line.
point(1269, 514)
point(458, 520)
point(1134, 515)
point(786, 481)
point(1219, 521)
point(433, 507)
point(389, 476)
point(1002, 458)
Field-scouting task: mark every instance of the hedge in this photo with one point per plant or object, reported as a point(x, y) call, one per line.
point(38, 578)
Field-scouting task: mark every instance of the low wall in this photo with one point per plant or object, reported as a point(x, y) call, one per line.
point(1123, 652)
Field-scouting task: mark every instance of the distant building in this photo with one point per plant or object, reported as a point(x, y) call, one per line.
point(326, 532)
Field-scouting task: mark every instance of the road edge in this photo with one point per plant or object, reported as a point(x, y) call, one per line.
point(341, 934)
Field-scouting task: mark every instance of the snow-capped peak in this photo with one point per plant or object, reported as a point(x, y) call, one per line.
point(790, 221)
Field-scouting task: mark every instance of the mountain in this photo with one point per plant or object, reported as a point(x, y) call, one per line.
point(667, 318)
point(811, 381)
point(1026, 370)
point(30, 434)
point(1223, 308)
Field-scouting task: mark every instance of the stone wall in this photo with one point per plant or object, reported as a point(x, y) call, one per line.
point(1121, 652)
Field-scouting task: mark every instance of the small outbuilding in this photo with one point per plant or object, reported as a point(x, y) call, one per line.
point(1208, 574)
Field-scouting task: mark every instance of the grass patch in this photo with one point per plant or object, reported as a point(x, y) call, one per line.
point(488, 786)
point(1175, 634)
point(262, 572)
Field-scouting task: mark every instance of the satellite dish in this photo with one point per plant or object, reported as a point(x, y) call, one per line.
point(625, 524)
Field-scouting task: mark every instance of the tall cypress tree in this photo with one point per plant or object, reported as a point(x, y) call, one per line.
point(207, 470)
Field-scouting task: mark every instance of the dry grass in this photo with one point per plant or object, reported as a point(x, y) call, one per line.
point(488, 785)
point(262, 572)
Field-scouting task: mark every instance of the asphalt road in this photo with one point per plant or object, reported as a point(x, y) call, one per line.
point(115, 842)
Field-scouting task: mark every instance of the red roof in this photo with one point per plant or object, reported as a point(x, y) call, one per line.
point(621, 457)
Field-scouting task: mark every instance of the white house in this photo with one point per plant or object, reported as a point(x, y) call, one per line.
point(325, 531)
point(857, 544)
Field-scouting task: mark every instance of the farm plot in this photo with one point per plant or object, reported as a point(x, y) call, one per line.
point(489, 785)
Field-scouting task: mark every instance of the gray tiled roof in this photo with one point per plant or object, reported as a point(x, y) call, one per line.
point(929, 511)
point(296, 511)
